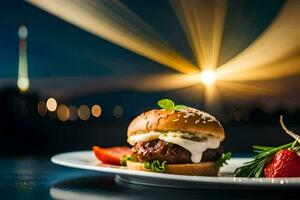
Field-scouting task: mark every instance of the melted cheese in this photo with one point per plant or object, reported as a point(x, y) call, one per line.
point(194, 147)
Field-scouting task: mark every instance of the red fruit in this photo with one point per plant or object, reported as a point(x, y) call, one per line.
point(286, 163)
point(111, 155)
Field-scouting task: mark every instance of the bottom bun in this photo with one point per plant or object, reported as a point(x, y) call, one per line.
point(197, 169)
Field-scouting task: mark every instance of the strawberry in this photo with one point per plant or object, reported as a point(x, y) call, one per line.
point(286, 163)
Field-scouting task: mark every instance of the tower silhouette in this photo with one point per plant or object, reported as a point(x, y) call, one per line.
point(18, 116)
point(23, 80)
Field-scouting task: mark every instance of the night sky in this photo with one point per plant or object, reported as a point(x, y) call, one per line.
point(57, 49)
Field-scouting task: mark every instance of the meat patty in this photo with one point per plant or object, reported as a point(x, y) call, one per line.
point(172, 153)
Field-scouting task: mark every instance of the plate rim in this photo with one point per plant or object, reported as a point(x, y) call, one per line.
point(119, 170)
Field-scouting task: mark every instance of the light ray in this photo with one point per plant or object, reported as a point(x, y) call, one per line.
point(280, 40)
point(113, 21)
point(68, 87)
point(166, 82)
point(203, 23)
point(240, 89)
point(212, 101)
point(285, 68)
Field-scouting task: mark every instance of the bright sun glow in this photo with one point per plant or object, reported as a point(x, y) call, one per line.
point(208, 77)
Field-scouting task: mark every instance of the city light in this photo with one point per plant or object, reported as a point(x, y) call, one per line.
point(208, 77)
point(96, 110)
point(42, 108)
point(51, 104)
point(84, 112)
point(63, 113)
point(73, 113)
point(118, 111)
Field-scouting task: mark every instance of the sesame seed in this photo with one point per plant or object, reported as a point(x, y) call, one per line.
point(175, 120)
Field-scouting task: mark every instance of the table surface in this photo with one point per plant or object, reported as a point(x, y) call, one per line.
point(38, 178)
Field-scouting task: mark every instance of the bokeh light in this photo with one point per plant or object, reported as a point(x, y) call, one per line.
point(73, 113)
point(42, 108)
point(84, 112)
point(96, 110)
point(51, 104)
point(118, 111)
point(63, 112)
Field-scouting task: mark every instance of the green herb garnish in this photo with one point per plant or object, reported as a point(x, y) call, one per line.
point(124, 159)
point(264, 154)
point(223, 160)
point(155, 166)
point(170, 105)
point(180, 107)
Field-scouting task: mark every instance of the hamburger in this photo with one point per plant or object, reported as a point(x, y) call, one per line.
point(176, 139)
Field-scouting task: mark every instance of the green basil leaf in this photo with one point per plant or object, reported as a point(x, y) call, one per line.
point(166, 104)
point(180, 107)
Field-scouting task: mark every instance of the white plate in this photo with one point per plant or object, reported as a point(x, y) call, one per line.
point(86, 160)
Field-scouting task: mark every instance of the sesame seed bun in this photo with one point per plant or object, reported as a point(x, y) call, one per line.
point(198, 169)
point(188, 120)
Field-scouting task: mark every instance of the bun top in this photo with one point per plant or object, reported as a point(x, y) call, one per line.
point(189, 120)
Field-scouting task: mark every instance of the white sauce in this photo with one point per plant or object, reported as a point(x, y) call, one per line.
point(194, 147)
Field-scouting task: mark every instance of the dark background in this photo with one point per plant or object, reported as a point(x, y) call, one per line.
point(63, 58)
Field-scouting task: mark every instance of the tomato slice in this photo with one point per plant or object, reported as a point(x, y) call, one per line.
point(111, 155)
